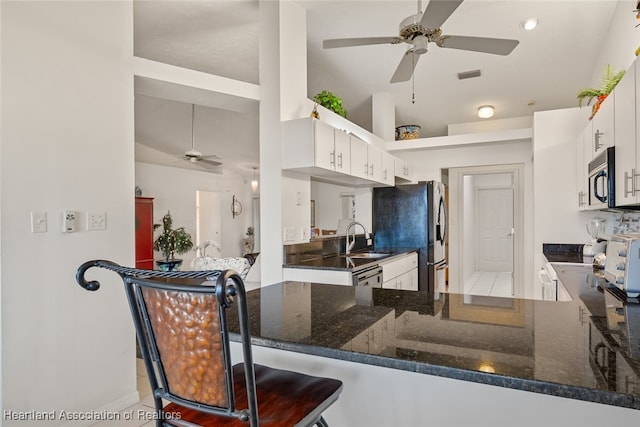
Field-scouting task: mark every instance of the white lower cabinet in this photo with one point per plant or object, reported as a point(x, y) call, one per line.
point(401, 272)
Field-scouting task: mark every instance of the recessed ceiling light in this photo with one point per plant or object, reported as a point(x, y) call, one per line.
point(485, 111)
point(529, 23)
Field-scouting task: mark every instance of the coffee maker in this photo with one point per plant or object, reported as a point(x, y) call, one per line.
point(597, 245)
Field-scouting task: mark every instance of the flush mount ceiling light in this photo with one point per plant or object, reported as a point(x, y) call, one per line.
point(485, 111)
point(529, 23)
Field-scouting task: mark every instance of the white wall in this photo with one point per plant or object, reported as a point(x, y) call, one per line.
point(67, 143)
point(174, 190)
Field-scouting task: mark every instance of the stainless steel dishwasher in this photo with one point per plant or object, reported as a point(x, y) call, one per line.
point(370, 276)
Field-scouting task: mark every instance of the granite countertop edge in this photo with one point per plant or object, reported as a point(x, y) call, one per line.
point(604, 397)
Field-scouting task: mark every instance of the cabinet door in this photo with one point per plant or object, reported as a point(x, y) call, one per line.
point(401, 169)
point(603, 126)
point(581, 173)
point(342, 150)
point(625, 131)
point(359, 157)
point(388, 169)
point(324, 145)
point(374, 158)
point(144, 233)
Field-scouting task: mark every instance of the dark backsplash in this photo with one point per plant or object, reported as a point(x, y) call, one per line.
point(319, 248)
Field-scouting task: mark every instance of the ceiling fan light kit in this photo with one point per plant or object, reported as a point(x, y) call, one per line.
point(485, 111)
point(419, 30)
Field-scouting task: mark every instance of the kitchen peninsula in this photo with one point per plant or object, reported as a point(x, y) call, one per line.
point(415, 346)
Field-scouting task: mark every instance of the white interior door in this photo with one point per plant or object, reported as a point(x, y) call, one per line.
point(494, 220)
point(208, 219)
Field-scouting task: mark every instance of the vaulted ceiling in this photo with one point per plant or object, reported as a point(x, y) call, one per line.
point(546, 69)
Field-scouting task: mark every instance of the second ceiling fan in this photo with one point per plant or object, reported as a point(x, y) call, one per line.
point(423, 28)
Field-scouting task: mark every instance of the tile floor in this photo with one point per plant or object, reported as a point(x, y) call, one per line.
point(489, 283)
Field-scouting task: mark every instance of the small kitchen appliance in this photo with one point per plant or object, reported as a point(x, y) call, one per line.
point(601, 181)
point(622, 267)
point(597, 245)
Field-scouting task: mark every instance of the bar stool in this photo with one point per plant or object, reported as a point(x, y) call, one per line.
point(181, 324)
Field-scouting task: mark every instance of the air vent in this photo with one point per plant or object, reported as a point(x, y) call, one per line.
point(469, 74)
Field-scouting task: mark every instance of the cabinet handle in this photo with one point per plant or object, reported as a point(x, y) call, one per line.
point(371, 167)
point(384, 175)
point(340, 160)
point(366, 169)
point(628, 192)
point(596, 139)
point(580, 198)
point(332, 158)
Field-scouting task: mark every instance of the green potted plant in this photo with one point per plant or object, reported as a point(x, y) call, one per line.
point(329, 101)
point(170, 242)
point(610, 79)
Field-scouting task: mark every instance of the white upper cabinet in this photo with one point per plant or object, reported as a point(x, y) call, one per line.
point(388, 174)
point(603, 134)
point(318, 149)
point(582, 145)
point(402, 170)
point(342, 152)
point(627, 95)
point(359, 157)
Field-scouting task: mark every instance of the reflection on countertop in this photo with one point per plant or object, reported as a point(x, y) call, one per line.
point(531, 345)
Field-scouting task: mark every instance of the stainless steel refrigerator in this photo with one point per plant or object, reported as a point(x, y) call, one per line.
point(414, 216)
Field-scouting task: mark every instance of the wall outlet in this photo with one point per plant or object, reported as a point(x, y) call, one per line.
point(96, 221)
point(289, 234)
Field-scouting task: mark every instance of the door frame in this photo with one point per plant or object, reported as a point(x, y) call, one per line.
point(456, 218)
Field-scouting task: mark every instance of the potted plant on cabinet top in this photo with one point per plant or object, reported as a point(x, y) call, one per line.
point(609, 81)
point(171, 242)
point(329, 101)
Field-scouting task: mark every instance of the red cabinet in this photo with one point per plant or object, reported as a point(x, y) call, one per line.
point(144, 233)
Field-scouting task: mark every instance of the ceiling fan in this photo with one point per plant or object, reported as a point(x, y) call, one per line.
point(423, 28)
point(194, 156)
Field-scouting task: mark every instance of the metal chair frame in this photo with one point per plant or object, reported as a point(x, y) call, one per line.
point(228, 286)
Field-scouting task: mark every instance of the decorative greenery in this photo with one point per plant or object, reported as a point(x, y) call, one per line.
point(331, 102)
point(609, 81)
point(171, 241)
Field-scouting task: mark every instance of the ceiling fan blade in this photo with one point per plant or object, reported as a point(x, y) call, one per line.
point(360, 41)
point(437, 12)
point(478, 44)
point(405, 67)
point(212, 160)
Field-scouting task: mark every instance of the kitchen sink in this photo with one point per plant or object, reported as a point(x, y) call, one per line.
point(371, 255)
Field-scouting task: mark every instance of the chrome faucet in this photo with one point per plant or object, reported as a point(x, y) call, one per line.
point(349, 245)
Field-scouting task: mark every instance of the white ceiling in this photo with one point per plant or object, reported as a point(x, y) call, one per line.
point(221, 37)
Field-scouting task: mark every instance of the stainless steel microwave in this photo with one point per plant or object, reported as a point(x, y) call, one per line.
point(601, 184)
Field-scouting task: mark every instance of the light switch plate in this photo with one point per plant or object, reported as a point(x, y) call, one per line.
point(38, 222)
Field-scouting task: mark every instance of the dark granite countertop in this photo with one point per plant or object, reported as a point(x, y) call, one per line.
point(530, 345)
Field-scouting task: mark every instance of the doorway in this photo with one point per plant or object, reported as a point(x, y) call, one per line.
point(486, 230)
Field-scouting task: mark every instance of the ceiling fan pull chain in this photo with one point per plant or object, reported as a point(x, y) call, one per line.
point(413, 82)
